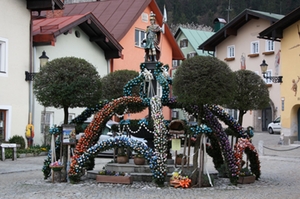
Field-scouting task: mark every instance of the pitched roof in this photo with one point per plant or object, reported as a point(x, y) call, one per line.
point(195, 37)
point(232, 27)
point(118, 16)
point(274, 32)
point(45, 31)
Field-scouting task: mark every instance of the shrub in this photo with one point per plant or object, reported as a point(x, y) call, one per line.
point(18, 140)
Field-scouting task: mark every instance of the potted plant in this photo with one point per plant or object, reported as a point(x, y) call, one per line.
point(246, 176)
point(122, 157)
point(139, 159)
point(179, 158)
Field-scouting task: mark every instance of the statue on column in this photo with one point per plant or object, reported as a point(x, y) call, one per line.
point(150, 44)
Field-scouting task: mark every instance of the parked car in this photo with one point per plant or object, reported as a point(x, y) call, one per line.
point(107, 134)
point(275, 126)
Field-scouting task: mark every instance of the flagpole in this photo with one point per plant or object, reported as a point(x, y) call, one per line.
point(163, 27)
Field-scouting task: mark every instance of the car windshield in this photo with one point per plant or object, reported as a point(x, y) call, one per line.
point(277, 120)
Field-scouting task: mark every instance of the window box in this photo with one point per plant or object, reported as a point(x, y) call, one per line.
point(114, 179)
point(268, 53)
point(246, 179)
point(229, 59)
point(253, 55)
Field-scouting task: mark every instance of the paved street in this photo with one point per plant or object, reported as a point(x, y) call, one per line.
point(23, 178)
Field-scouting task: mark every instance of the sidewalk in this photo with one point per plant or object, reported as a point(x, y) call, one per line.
point(36, 163)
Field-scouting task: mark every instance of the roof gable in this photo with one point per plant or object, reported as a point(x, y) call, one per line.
point(118, 16)
point(45, 31)
point(195, 37)
point(232, 27)
point(275, 31)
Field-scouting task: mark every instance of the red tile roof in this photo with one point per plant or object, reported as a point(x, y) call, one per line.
point(118, 16)
point(45, 31)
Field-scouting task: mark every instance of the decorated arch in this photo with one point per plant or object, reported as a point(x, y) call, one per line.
point(245, 146)
point(220, 150)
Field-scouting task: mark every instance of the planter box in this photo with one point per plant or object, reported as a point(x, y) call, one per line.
point(114, 179)
point(246, 179)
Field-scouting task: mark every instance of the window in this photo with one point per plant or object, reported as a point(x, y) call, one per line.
point(233, 113)
point(175, 114)
point(230, 52)
point(139, 36)
point(46, 121)
point(269, 45)
point(190, 55)
point(71, 117)
point(268, 74)
point(184, 43)
point(254, 47)
point(175, 63)
point(3, 55)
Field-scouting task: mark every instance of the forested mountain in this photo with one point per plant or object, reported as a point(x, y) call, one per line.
point(205, 11)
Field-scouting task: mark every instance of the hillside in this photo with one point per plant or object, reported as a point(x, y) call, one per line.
point(205, 11)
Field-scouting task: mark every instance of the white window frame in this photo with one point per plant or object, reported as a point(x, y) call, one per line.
point(254, 47)
point(231, 51)
point(138, 37)
point(268, 74)
point(3, 56)
point(270, 46)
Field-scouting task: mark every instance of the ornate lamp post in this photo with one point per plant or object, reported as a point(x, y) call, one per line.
point(264, 68)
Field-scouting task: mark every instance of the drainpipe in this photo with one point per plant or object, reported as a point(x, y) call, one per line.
point(30, 68)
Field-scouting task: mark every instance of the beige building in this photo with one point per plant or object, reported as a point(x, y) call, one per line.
point(15, 59)
point(237, 44)
point(287, 33)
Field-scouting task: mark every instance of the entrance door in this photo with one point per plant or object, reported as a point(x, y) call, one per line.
point(298, 115)
point(2, 125)
point(266, 118)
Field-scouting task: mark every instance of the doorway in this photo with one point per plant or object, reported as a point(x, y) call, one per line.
point(2, 125)
point(266, 118)
point(298, 117)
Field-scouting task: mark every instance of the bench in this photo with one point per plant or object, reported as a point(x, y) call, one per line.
point(4, 146)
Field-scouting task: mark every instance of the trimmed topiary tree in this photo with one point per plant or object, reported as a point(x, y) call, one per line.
point(202, 80)
point(67, 82)
point(251, 93)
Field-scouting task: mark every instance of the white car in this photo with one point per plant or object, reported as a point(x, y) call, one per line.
point(275, 126)
point(107, 134)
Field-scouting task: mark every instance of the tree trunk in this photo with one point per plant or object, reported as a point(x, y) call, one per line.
point(241, 115)
point(65, 147)
point(195, 161)
point(66, 115)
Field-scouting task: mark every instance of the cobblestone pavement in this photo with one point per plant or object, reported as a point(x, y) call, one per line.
point(23, 179)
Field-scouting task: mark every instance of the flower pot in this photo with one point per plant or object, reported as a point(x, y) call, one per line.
point(139, 161)
point(56, 168)
point(246, 179)
point(122, 159)
point(179, 159)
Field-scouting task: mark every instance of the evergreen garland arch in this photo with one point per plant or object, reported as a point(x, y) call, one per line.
point(244, 145)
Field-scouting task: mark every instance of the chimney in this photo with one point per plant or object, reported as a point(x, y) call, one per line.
point(218, 24)
point(54, 13)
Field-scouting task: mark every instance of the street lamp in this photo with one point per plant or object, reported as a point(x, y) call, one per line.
point(264, 67)
point(43, 61)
